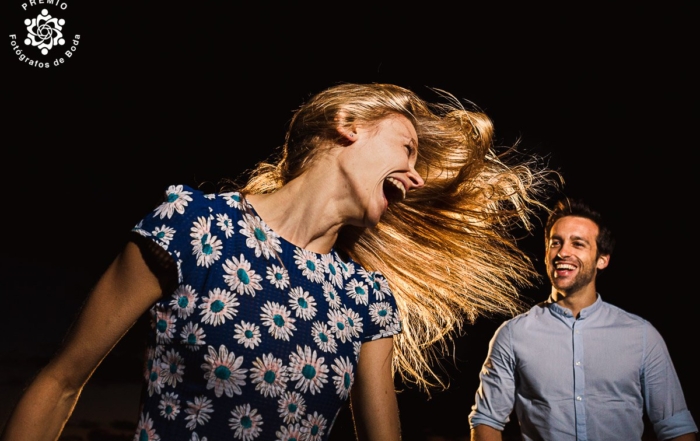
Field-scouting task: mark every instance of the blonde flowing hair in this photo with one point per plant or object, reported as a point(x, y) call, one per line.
point(448, 249)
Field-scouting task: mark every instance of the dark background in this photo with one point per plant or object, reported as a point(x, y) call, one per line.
point(169, 93)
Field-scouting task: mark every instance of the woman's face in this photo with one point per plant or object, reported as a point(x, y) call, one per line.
point(380, 164)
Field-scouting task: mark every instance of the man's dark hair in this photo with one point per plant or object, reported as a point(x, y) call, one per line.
point(605, 243)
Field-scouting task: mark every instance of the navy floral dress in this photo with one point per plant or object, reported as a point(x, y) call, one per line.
point(261, 338)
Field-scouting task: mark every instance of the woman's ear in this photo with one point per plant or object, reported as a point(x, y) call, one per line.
point(346, 131)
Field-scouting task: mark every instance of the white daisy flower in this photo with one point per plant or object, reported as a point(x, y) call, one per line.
point(172, 368)
point(292, 406)
point(198, 412)
point(331, 295)
point(314, 427)
point(169, 406)
point(338, 324)
point(245, 423)
point(145, 430)
point(205, 246)
point(344, 377)
point(226, 224)
point(291, 432)
point(211, 197)
point(335, 274)
point(164, 325)
point(260, 237)
point(309, 264)
point(278, 276)
point(354, 322)
point(196, 437)
point(163, 235)
point(248, 334)
point(356, 347)
point(269, 375)
point(302, 303)
point(233, 199)
point(357, 291)
point(183, 301)
point(218, 306)
point(307, 370)
point(393, 328)
point(380, 287)
point(240, 278)
point(192, 336)
point(366, 275)
point(223, 373)
point(323, 337)
point(347, 268)
point(179, 266)
point(176, 199)
point(155, 380)
point(381, 313)
point(278, 321)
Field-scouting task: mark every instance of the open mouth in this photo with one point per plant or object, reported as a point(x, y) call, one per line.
point(394, 190)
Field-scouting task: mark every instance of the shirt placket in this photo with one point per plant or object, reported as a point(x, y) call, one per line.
point(579, 380)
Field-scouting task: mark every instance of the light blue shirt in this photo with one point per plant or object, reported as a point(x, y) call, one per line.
point(585, 379)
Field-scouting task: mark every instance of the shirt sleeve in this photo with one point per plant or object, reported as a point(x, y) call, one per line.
point(494, 399)
point(663, 395)
point(382, 316)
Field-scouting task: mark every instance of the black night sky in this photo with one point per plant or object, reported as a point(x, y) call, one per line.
point(172, 93)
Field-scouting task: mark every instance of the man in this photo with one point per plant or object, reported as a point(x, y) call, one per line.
point(575, 367)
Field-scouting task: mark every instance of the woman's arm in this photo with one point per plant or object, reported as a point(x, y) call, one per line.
point(374, 406)
point(123, 293)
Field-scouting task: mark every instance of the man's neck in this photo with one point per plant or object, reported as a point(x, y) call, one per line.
point(575, 301)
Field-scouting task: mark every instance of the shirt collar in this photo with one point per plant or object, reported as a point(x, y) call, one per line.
point(585, 312)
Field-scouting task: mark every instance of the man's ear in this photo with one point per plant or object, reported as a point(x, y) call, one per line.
point(346, 131)
point(603, 261)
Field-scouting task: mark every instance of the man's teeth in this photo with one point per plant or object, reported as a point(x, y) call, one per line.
point(565, 266)
point(396, 183)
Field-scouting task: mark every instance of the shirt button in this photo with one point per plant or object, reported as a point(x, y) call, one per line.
point(578, 398)
point(578, 363)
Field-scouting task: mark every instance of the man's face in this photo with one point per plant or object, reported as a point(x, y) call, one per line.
point(572, 263)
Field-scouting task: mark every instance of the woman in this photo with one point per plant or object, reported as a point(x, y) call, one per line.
point(383, 225)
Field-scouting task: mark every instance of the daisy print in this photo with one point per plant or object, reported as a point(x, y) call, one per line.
point(155, 380)
point(198, 412)
point(278, 276)
point(205, 246)
point(309, 265)
point(331, 295)
point(145, 430)
point(303, 305)
point(308, 370)
point(334, 272)
point(233, 199)
point(164, 324)
point(381, 313)
point(314, 427)
point(176, 199)
point(381, 287)
point(291, 432)
point(245, 423)
point(247, 334)
point(269, 375)
point(259, 236)
point(348, 268)
point(278, 320)
point(196, 437)
point(218, 306)
point(225, 224)
point(344, 376)
point(240, 278)
point(354, 322)
point(292, 406)
point(192, 336)
point(223, 372)
point(163, 235)
point(338, 323)
point(356, 347)
point(169, 406)
point(357, 291)
point(323, 337)
point(183, 301)
point(172, 368)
